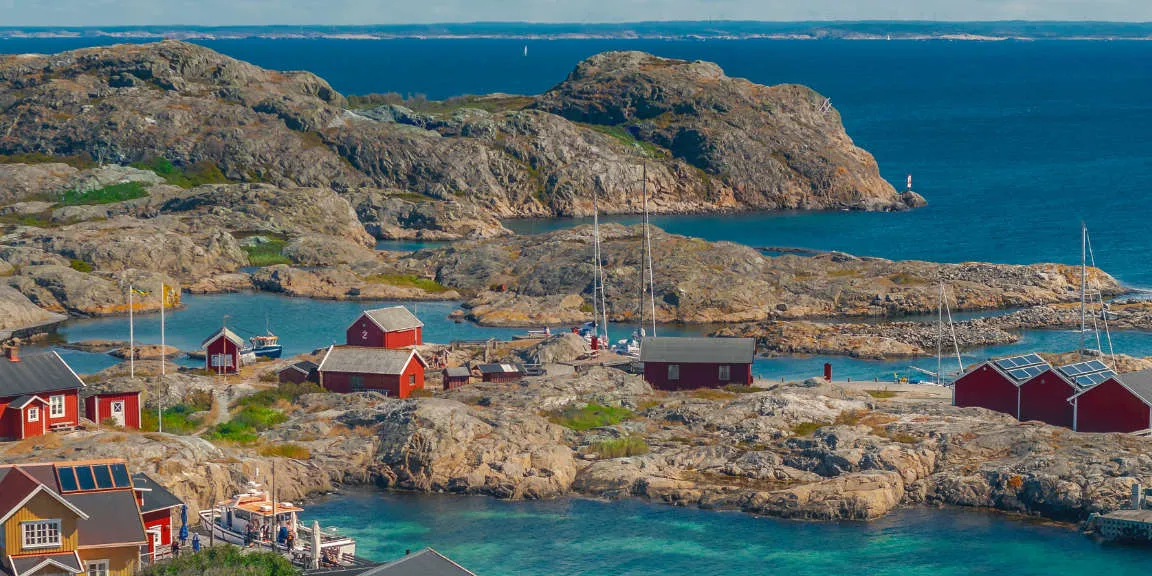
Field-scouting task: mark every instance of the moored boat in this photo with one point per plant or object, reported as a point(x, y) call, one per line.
point(267, 345)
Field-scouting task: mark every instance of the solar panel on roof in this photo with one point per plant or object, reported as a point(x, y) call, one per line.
point(120, 476)
point(67, 479)
point(1071, 370)
point(1097, 365)
point(1033, 359)
point(84, 478)
point(103, 476)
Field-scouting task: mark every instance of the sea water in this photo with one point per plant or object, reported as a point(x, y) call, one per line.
point(577, 537)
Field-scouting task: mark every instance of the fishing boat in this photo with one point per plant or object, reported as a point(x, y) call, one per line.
point(255, 518)
point(266, 345)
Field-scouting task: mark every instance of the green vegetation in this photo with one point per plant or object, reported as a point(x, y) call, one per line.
point(625, 137)
point(41, 220)
point(178, 418)
point(741, 389)
point(408, 281)
point(203, 172)
point(106, 195)
point(79, 161)
point(590, 416)
point(219, 560)
point(294, 451)
point(258, 412)
point(807, 428)
point(881, 393)
point(268, 253)
point(80, 265)
point(621, 447)
point(421, 103)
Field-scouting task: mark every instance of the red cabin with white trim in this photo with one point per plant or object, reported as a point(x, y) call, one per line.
point(222, 352)
point(1122, 403)
point(123, 408)
point(157, 508)
point(39, 393)
point(393, 327)
point(682, 363)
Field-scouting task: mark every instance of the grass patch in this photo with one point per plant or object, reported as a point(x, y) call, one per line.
point(294, 451)
point(741, 389)
point(106, 195)
point(590, 416)
point(230, 560)
point(807, 428)
point(901, 437)
point(905, 279)
point(421, 103)
point(176, 419)
point(882, 394)
point(622, 135)
point(712, 394)
point(408, 281)
point(79, 161)
point(849, 417)
point(268, 253)
point(256, 413)
point(620, 447)
point(80, 265)
point(200, 173)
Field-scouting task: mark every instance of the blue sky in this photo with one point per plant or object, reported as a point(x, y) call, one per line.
point(299, 12)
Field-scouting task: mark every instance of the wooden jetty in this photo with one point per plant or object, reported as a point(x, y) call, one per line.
point(1131, 524)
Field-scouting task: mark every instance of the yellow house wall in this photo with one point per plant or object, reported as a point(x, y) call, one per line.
point(41, 507)
point(122, 561)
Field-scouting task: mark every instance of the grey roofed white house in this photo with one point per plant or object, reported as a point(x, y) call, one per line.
point(230, 335)
point(358, 360)
point(36, 373)
point(394, 318)
point(685, 350)
point(426, 562)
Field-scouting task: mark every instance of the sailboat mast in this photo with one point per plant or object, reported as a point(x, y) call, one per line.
point(599, 268)
point(940, 337)
point(1083, 284)
point(648, 251)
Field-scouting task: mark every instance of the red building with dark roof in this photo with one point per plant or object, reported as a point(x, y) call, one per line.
point(395, 373)
point(157, 507)
point(121, 408)
point(683, 363)
point(393, 327)
point(1046, 397)
point(995, 384)
point(1121, 403)
point(39, 393)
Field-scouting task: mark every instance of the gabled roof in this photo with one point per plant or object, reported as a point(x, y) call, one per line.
point(225, 333)
point(393, 318)
point(359, 360)
point(22, 565)
point(305, 367)
point(1138, 383)
point(695, 350)
point(112, 518)
point(155, 495)
point(21, 402)
point(19, 487)
point(36, 374)
point(499, 369)
point(458, 372)
point(426, 562)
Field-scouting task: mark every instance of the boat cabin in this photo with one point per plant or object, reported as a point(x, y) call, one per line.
point(392, 327)
point(680, 363)
point(222, 351)
point(39, 393)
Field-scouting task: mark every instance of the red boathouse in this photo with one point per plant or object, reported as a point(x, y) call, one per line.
point(688, 363)
point(395, 373)
point(39, 393)
point(995, 384)
point(1122, 403)
point(1045, 397)
point(456, 376)
point(122, 408)
point(393, 327)
point(222, 352)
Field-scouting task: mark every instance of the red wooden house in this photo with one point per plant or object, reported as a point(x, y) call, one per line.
point(393, 327)
point(1045, 397)
point(222, 352)
point(157, 507)
point(456, 376)
point(299, 373)
point(39, 393)
point(688, 363)
point(995, 384)
point(395, 373)
point(1121, 403)
point(123, 408)
point(500, 372)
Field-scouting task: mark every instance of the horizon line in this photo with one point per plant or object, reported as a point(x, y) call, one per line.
point(578, 23)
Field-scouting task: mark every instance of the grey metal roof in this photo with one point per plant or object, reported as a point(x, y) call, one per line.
point(685, 350)
point(113, 518)
point(28, 564)
point(304, 367)
point(358, 360)
point(394, 318)
point(426, 562)
point(37, 373)
point(458, 371)
point(1140, 383)
point(155, 495)
point(223, 331)
point(25, 400)
point(499, 369)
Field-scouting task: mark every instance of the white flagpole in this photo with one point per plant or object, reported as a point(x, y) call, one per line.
point(131, 336)
point(160, 386)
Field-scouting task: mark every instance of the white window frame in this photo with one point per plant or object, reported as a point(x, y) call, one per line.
point(673, 371)
point(34, 414)
point(46, 543)
point(96, 568)
point(52, 405)
point(725, 373)
point(411, 379)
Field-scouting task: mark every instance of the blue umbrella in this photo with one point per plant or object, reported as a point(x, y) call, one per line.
point(183, 522)
point(195, 542)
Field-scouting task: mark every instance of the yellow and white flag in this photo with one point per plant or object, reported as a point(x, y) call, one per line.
point(171, 296)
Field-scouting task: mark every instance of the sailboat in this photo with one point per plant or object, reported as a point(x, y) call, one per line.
point(591, 331)
point(943, 311)
point(1088, 257)
point(631, 347)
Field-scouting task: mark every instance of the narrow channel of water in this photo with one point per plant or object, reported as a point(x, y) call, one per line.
point(577, 537)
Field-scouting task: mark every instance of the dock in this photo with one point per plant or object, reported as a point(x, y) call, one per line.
point(1130, 524)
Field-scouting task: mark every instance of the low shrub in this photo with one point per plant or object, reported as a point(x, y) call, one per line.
point(408, 281)
point(203, 172)
point(225, 559)
point(106, 195)
point(80, 265)
point(590, 416)
point(268, 253)
point(881, 394)
point(741, 389)
point(807, 428)
point(287, 450)
point(177, 419)
point(620, 447)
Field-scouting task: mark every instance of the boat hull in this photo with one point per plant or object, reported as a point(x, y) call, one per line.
point(265, 351)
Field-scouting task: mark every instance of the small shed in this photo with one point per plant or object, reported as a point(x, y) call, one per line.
point(1046, 397)
point(995, 384)
point(672, 363)
point(396, 373)
point(392, 327)
point(500, 372)
point(456, 376)
point(300, 372)
point(157, 507)
point(121, 407)
point(1121, 403)
point(222, 352)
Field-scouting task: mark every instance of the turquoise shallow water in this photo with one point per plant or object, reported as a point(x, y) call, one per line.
point(571, 537)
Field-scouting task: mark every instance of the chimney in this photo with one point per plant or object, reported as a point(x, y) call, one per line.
point(13, 353)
